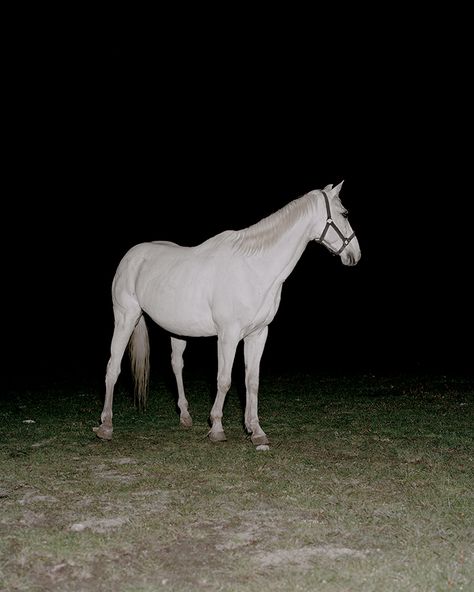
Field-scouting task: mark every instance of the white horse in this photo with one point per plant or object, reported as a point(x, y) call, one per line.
point(229, 286)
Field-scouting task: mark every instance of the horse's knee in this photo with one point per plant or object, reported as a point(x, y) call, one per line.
point(177, 364)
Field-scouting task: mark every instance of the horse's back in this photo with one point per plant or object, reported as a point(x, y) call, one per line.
point(145, 261)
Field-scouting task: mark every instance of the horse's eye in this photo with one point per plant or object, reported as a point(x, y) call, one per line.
point(345, 213)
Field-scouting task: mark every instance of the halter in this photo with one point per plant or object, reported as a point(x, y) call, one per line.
point(331, 224)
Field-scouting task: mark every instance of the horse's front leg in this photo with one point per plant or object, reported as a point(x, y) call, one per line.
point(177, 348)
point(253, 350)
point(226, 346)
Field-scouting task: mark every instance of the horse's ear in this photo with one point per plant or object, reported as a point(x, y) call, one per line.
point(337, 189)
point(328, 187)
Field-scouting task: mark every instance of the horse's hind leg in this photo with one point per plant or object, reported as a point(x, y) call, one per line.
point(253, 350)
point(125, 321)
point(177, 348)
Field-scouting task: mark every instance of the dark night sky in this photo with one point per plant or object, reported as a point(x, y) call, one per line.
point(118, 141)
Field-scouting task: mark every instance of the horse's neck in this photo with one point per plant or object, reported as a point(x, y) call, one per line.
point(280, 259)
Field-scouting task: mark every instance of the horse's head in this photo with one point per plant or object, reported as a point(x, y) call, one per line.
point(332, 228)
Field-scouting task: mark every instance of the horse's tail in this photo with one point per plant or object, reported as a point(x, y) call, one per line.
point(139, 348)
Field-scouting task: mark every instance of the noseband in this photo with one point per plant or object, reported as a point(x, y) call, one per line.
point(331, 224)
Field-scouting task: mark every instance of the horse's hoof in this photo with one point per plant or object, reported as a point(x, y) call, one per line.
point(103, 432)
point(186, 421)
point(260, 440)
point(217, 436)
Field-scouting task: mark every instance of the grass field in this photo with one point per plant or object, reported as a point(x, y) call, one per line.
point(368, 486)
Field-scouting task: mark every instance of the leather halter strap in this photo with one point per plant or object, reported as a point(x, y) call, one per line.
point(330, 224)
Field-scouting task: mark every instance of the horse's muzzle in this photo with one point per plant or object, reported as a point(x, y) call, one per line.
point(350, 257)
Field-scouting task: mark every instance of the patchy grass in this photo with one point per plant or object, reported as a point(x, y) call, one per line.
point(368, 486)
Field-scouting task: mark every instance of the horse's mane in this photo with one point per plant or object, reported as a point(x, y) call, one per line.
point(264, 234)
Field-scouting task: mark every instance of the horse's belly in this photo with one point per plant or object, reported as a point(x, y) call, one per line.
point(182, 316)
point(187, 327)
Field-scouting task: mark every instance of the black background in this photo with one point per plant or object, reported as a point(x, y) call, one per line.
point(177, 131)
